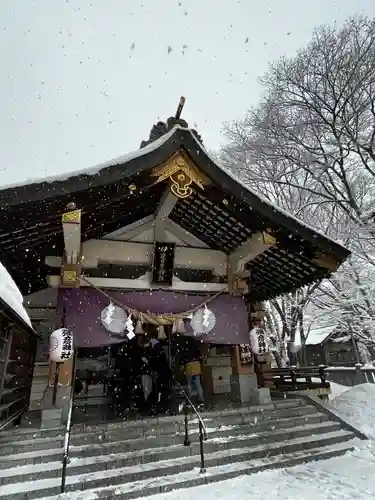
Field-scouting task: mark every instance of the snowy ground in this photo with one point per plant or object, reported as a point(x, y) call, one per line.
point(346, 478)
point(357, 404)
point(338, 389)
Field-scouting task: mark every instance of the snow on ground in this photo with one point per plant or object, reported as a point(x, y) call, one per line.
point(10, 294)
point(344, 478)
point(337, 389)
point(357, 405)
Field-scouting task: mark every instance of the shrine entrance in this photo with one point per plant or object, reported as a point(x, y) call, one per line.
point(108, 380)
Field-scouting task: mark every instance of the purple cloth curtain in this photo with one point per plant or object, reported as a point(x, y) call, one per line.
point(82, 308)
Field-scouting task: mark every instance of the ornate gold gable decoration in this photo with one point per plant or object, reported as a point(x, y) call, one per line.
point(182, 173)
point(73, 217)
point(268, 239)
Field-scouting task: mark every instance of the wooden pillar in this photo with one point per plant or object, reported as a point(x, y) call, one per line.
point(69, 277)
point(237, 367)
point(65, 373)
point(264, 361)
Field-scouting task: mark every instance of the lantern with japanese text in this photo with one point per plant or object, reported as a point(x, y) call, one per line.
point(61, 345)
point(258, 341)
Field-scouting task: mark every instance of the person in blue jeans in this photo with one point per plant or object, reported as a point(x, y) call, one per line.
point(193, 374)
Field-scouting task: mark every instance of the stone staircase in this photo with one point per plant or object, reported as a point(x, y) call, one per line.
point(39, 385)
point(140, 458)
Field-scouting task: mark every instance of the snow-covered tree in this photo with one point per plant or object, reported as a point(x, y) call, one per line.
point(309, 146)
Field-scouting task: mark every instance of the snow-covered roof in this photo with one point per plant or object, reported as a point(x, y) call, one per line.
point(33, 215)
point(143, 152)
point(318, 335)
point(10, 294)
point(90, 171)
point(153, 146)
point(278, 208)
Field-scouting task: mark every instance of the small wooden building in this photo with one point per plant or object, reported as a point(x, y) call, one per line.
point(329, 346)
point(18, 343)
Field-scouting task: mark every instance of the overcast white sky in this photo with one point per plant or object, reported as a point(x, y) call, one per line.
point(83, 81)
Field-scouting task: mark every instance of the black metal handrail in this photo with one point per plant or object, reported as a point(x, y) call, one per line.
point(65, 460)
point(16, 416)
point(202, 428)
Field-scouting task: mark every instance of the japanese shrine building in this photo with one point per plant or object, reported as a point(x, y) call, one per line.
point(66, 239)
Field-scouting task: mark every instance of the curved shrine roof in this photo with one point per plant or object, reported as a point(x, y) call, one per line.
point(223, 215)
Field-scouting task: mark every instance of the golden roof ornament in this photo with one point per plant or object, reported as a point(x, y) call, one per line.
point(180, 169)
point(182, 173)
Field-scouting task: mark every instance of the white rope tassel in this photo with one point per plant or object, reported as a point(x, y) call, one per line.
point(139, 328)
point(180, 327)
point(206, 315)
point(161, 333)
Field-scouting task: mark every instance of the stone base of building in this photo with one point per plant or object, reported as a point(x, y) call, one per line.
point(55, 415)
point(244, 387)
point(260, 396)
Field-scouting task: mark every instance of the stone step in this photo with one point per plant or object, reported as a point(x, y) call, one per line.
point(124, 456)
point(131, 474)
point(39, 449)
point(96, 448)
point(175, 424)
point(164, 484)
point(23, 434)
point(270, 408)
point(34, 444)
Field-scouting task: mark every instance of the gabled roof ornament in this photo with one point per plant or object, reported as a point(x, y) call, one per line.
point(161, 128)
point(180, 107)
point(181, 172)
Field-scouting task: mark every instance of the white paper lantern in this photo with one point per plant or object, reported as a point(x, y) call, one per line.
point(293, 347)
point(61, 345)
point(258, 341)
point(203, 321)
point(114, 318)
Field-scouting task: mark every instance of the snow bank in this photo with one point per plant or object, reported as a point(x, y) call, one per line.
point(11, 295)
point(337, 389)
point(344, 478)
point(357, 405)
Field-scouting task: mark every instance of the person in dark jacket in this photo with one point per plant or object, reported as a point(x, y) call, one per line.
point(129, 392)
point(146, 378)
point(158, 401)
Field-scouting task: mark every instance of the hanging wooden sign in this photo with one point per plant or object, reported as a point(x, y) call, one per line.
point(246, 356)
point(162, 269)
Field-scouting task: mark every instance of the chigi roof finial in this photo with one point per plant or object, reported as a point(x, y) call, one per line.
point(161, 128)
point(180, 107)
